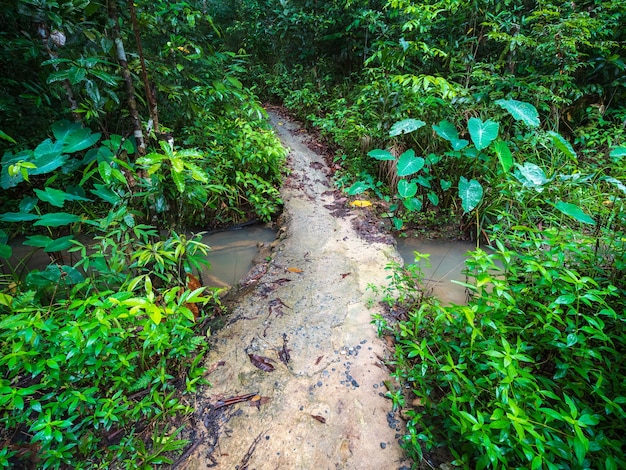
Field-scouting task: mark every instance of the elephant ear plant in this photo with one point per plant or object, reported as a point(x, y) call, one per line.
point(530, 373)
point(97, 347)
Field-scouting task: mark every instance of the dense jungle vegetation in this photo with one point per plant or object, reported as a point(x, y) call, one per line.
point(134, 122)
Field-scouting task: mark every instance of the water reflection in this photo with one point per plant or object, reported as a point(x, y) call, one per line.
point(232, 253)
point(447, 261)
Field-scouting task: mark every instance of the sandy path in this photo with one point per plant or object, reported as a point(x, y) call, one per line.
point(324, 409)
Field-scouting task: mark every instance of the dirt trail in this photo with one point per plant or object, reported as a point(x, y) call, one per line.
point(325, 409)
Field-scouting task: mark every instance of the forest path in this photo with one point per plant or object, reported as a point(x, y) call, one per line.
point(325, 407)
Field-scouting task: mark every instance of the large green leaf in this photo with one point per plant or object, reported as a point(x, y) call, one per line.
point(379, 154)
point(56, 197)
point(54, 274)
point(48, 156)
point(471, 193)
point(408, 163)
point(60, 244)
point(530, 175)
point(62, 129)
point(197, 173)
point(37, 241)
point(18, 217)
point(28, 204)
point(504, 155)
point(405, 126)
point(574, 211)
point(413, 204)
point(106, 194)
point(447, 130)
point(57, 219)
point(406, 189)
point(563, 145)
point(357, 188)
point(73, 137)
point(179, 180)
point(80, 141)
point(521, 111)
point(617, 153)
point(482, 133)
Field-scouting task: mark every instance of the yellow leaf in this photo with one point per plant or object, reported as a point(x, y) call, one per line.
point(360, 203)
point(294, 270)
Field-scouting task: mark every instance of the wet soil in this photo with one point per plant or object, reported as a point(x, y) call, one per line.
point(298, 375)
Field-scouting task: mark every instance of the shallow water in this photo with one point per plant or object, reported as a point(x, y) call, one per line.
point(447, 261)
point(232, 253)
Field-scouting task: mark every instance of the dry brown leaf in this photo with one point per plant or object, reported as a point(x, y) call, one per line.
point(319, 418)
point(261, 362)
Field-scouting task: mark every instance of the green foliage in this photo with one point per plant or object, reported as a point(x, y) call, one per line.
point(529, 373)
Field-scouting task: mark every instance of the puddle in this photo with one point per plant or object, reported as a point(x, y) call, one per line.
point(447, 261)
point(232, 253)
point(230, 256)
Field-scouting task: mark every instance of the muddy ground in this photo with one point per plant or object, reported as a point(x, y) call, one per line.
point(297, 373)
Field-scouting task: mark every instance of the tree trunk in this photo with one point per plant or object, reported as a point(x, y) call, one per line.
point(152, 103)
point(128, 81)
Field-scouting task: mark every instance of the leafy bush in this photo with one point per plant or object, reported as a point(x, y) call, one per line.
point(530, 373)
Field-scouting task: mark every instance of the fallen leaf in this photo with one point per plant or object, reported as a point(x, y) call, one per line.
point(261, 362)
point(344, 275)
point(294, 270)
point(258, 400)
point(360, 203)
point(233, 400)
point(318, 360)
point(283, 354)
point(275, 307)
point(321, 419)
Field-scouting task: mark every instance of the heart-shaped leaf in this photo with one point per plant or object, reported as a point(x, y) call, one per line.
point(379, 154)
point(447, 130)
point(413, 204)
point(106, 194)
point(48, 156)
point(471, 193)
point(357, 188)
point(408, 163)
point(482, 133)
point(405, 126)
point(406, 189)
point(433, 198)
point(530, 175)
point(521, 111)
point(445, 185)
point(574, 211)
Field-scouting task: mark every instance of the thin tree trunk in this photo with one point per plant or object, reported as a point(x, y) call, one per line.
point(44, 34)
point(152, 103)
point(128, 81)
